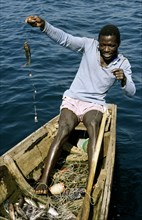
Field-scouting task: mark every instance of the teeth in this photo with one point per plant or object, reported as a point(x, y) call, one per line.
point(106, 55)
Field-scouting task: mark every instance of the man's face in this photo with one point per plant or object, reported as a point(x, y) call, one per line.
point(108, 47)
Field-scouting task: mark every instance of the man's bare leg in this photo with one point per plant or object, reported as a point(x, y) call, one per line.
point(67, 122)
point(92, 120)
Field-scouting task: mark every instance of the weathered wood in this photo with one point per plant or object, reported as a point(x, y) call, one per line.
point(108, 123)
point(26, 160)
point(109, 167)
point(7, 185)
point(98, 197)
point(98, 187)
point(17, 175)
point(49, 129)
point(86, 202)
point(106, 140)
point(41, 150)
point(20, 180)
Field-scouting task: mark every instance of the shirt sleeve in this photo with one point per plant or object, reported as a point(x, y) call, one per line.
point(129, 89)
point(64, 39)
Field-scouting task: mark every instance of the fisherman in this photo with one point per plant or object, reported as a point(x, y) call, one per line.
point(101, 66)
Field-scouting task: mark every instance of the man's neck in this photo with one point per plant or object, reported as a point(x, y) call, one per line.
point(105, 63)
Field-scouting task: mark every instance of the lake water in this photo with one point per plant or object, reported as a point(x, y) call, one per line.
point(53, 69)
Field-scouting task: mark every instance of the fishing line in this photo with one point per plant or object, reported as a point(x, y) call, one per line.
point(27, 50)
point(34, 97)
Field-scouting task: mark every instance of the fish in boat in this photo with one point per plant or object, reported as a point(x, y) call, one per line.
point(19, 171)
point(11, 211)
point(30, 202)
point(20, 211)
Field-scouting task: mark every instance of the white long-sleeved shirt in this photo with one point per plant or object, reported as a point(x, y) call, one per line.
point(92, 81)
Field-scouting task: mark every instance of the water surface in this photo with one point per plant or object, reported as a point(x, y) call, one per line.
point(53, 69)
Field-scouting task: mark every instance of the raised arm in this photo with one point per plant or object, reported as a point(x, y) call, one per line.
point(56, 34)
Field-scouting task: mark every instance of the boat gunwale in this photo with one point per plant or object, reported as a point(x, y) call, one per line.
point(46, 129)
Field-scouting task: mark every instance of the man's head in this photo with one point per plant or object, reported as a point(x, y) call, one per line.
point(109, 41)
point(110, 30)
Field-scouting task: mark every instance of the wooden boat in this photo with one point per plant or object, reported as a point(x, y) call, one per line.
point(22, 165)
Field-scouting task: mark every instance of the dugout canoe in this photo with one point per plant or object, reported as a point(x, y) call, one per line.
point(21, 167)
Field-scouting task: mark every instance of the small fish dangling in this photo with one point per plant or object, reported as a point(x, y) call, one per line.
point(27, 53)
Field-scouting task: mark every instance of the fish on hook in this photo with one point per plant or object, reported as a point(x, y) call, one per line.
point(27, 53)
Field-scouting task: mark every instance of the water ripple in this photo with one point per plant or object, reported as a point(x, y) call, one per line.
point(53, 69)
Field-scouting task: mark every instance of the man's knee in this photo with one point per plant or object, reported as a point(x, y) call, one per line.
point(97, 120)
point(67, 121)
point(92, 118)
point(64, 129)
point(92, 127)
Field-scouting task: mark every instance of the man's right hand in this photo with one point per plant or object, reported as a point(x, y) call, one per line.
point(35, 21)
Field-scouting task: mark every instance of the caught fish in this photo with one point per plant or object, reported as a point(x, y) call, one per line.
point(74, 194)
point(3, 218)
point(28, 209)
point(52, 212)
point(11, 212)
point(20, 211)
point(30, 202)
point(42, 206)
point(21, 202)
point(38, 215)
point(27, 53)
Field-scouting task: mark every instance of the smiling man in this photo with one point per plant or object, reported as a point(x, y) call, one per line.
point(100, 67)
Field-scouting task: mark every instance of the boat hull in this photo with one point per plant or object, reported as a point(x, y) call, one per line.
point(21, 166)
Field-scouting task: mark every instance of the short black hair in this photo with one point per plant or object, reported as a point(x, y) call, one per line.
point(110, 29)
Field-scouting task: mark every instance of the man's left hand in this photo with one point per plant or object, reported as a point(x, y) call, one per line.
point(119, 74)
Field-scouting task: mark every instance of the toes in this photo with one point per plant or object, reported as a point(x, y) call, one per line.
point(41, 189)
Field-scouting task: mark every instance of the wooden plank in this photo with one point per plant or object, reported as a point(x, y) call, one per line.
point(98, 188)
point(98, 195)
point(106, 143)
point(31, 159)
point(109, 167)
point(7, 185)
point(20, 180)
point(86, 202)
point(49, 129)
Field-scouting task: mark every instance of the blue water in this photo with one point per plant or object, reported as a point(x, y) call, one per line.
point(53, 69)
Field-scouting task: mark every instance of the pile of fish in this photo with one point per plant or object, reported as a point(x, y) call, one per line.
point(28, 209)
point(63, 200)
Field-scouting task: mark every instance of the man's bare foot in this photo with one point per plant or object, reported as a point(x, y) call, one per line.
point(41, 189)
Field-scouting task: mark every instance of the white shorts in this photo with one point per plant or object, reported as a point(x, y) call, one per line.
point(80, 107)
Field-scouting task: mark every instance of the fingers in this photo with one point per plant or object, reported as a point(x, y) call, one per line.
point(30, 19)
point(34, 21)
point(118, 73)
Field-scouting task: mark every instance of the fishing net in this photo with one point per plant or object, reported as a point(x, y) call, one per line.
point(73, 174)
point(72, 171)
point(74, 178)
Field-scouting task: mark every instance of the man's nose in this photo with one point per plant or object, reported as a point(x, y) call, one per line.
point(106, 49)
